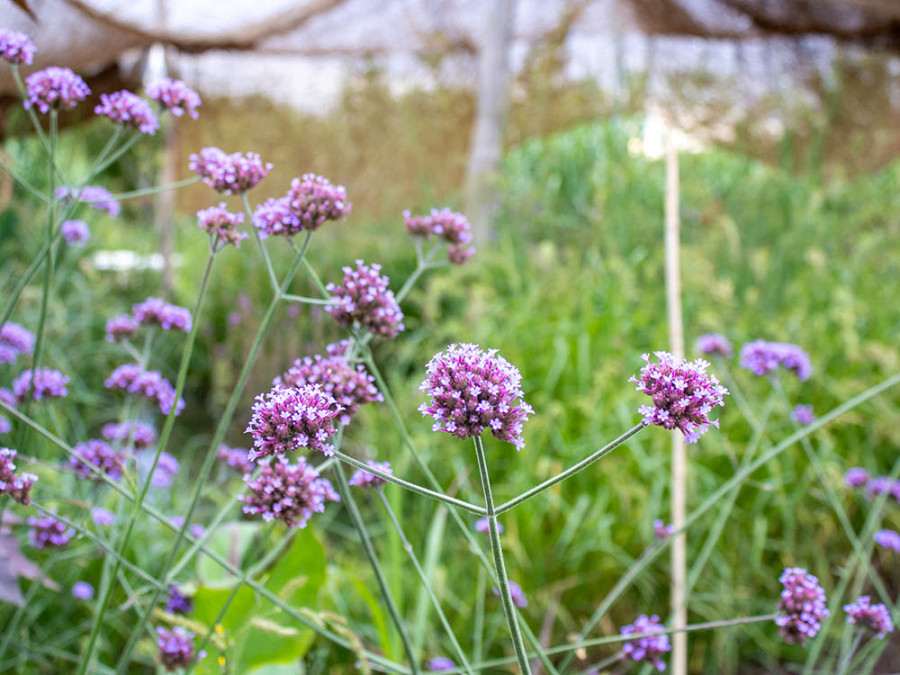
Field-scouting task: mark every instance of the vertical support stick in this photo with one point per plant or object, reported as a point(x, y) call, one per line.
point(679, 459)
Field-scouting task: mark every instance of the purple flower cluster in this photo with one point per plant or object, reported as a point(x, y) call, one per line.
point(290, 493)
point(121, 327)
point(314, 200)
point(176, 647)
point(366, 479)
point(648, 649)
point(880, 485)
point(98, 454)
point(48, 383)
point(715, 344)
point(133, 379)
point(472, 390)
point(14, 340)
point(48, 531)
point(803, 415)
point(802, 606)
point(17, 486)
point(137, 435)
point(128, 110)
point(351, 387)
point(93, 195)
point(75, 232)
point(856, 477)
point(178, 603)
point(483, 525)
point(683, 394)
point(154, 311)
point(440, 663)
point(16, 47)
point(363, 298)
point(102, 516)
point(54, 87)
point(175, 96)
point(888, 539)
point(518, 595)
point(221, 226)
point(82, 590)
point(236, 458)
point(876, 618)
point(229, 174)
point(661, 530)
point(166, 468)
point(286, 419)
point(762, 357)
point(452, 227)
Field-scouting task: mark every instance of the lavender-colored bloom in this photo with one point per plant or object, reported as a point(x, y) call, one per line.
point(166, 468)
point(16, 47)
point(48, 531)
point(880, 485)
point(803, 415)
point(48, 383)
point(713, 343)
point(458, 255)
point(237, 458)
point(856, 477)
point(98, 454)
point(176, 648)
point(518, 595)
point(75, 232)
point(290, 493)
point(5, 425)
point(103, 516)
point(121, 327)
point(661, 530)
point(175, 96)
point(802, 606)
point(229, 174)
point(366, 479)
point(178, 603)
point(351, 387)
point(154, 311)
point(137, 435)
point(14, 340)
point(314, 200)
point(454, 228)
point(221, 226)
point(82, 590)
point(54, 87)
point(93, 195)
point(363, 298)
point(888, 539)
point(472, 390)
point(128, 110)
point(133, 379)
point(287, 419)
point(762, 357)
point(483, 525)
point(275, 217)
point(197, 531)
point(648, 649)
point(876, 618)
point(17, 486)
point(683, 394)
point(440, 663)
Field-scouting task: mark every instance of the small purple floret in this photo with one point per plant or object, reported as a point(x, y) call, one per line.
point(47, 531)
point(440, 663)
point(100, 455)
point(175, 96)
point(137, 435)
point(93, 195)
point(518, 595)
point(229, 174)
point(75, 232)
point(366, 479)
point(648, 649)
point(452, 227)
point(157, 312)
point(888, 539)
point(17, 486)
point(762, 357)
point(803, 415)
point(856, 477)
point(82, 590)
point(176, 648)
point(661, 530)
point(48, 383)
point(54, 87)
point(16, 47)
point(133, 379)
point(715, 345)
point(221, 226)
point(236, 458)
point(103, 516)
point(14, 340)
point(178, 603)
point(483, 525)
point(801, 609)
point(876, 618)
point(128, 110)
point(363, 298)
point(290, 493)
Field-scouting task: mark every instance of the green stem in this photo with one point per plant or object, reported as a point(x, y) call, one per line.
point(156, 189)
point(308, 268)
point(21, 180)
point(307, 301)
point(848, 657)
point(499, 565)
point(422, 265)
point(273, 279)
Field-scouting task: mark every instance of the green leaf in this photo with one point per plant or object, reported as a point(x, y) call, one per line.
point(230, 540)
point(208, 602)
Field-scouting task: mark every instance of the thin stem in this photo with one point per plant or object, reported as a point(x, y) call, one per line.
point(360, 525)
point(273, 279)
point(421, 267)
point(848, 657)
point(425, 583)
point(143, 192)
point(571, 471)
point(307, 301)
point(499, 565)
point(21, 180)
point(308, 268)
point(35, 121)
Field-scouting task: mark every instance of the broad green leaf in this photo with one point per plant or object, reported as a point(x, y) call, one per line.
point(208, 602)
point(231, 541)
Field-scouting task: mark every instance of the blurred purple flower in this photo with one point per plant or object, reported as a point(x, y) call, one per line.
point(154, 311)
point(98, 454)
point(876, 618)
point(14, 340)
point(440, 663)
point(54, 87)
point(166, 468)
point(121, 327)
point(129, 111)
point(856, 477)
point(82, 590)
point(48, 531)
point(275, 217)
point(133, 379)
point(454, 228)
point(803, 415)
point(229, 174)
point(647, 649)
point(290, 493)
point(16, 47)
point(314, 200)
point(661, 530)
point(802, 606)
point(714, 344)
point(93, 195)
point(75, 232)
point(17, 486)
point(141, 435)
point(178, 603)
point(363, 298)
point(762, 357)
point(366, 479)
point(483, 525)
point(175, 96)
point(518, 595)
point(221, 226)
point(888, 539)
point(48, 383)
point(103, 516)
point(880, 485)
point(237, 458)
point(176, 648)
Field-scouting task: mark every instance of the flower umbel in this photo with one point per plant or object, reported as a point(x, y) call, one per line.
point(856, 477)
point(484, 525)
point(54, 87)
point(876, 618)
point(16, 47)
point(133, 379)
point(176, 647)
point(713, 343)
point(888, 539)
point(236, 458)
point(648, 649)
point(314, 200)
point(47, 531)
point(178, 603)
point(137, 435)
point(75, 232)
point(128, 110)
point(156, 312)
point(93, 195)
point(175, 96)
point(82, 590)
point(48, 383)
point(363, 298)
point(452, 227)
point(98, 454)
point(290, 493)
point(803, 415)
point(229, 174)
point(17, 486)
point(762, 357)
point(802, 606)
point(365, 479)
point(221, 226)
point(14, 340)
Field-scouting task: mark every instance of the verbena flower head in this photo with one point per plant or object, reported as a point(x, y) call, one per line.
point(98, 454)
point(14, 340)
point(801, 609)
point(135, 434)
point(648, 649)
point(683, 394)
point(128, 110)
point(287, 492)
point(473, 390)
point(48, 383)
point(175, 96)
point(54, 87)
point(121, 327)
point(363, 298)
point(440, 663)
point(166, 468)
point(314, 200)
point(17, 486)
point(75, 232)
point(221, 226)
point(518, 595)
point(351, 387)
point(229, 174)
point(713, 343)
point(157, 312)
point(133, 379)
point(16, 47)
point(856, 477)
point(888, 539)
point(879, 485)
point(93, 195)
point(102, 516)
point(366, 479)
point(292, 418)
point(661, 530)
point(762, 357)
point(236, 458)
point(46, 531)
point(275, 217)
point(178, 603)
point(483, 525)
point(454, 228)
point(176, 647)
point(82, 590)
point(876, 618)
point(803, 415)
